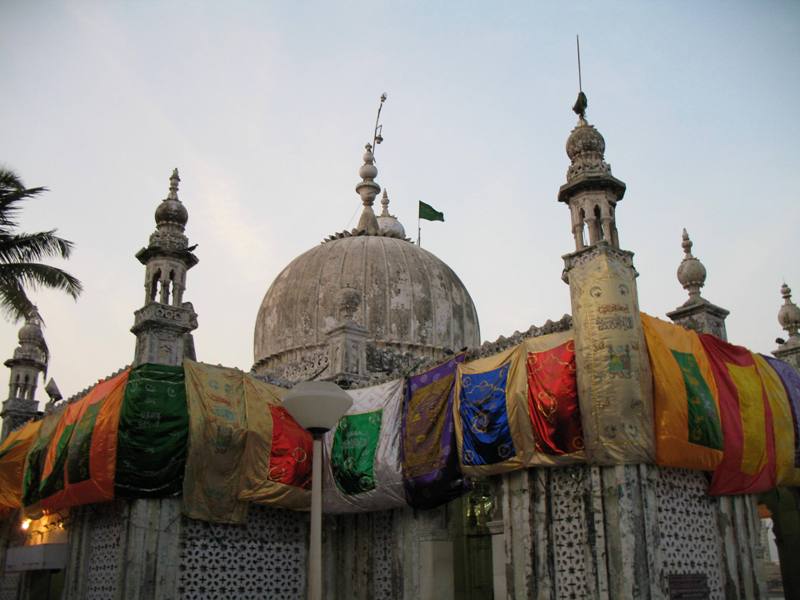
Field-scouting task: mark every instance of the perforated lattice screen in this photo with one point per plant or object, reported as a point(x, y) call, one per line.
point(266, 558)
point(687, 525)
point(105, 529)
point(569, 531)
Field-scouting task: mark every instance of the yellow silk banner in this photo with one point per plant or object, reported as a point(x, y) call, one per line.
point(217, 430)
point(783, 426)
point(614, 379)
point(685, 398)
point(276, 463)
point(13, 451)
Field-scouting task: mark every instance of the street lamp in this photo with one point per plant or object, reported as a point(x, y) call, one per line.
point(317, 406)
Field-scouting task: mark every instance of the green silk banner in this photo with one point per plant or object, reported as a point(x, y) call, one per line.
point(153, 431)
point(353, 453)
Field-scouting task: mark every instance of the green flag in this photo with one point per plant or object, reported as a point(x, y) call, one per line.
point(427, 212)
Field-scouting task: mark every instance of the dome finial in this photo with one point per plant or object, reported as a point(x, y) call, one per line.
point(385, 203)
point(171, 212)
point(691, 272)
point(174, 180)
point(789, 314)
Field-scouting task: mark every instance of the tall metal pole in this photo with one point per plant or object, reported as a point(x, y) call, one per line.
point(315, 545)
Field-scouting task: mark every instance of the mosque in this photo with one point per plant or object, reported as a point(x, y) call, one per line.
point(363, 308)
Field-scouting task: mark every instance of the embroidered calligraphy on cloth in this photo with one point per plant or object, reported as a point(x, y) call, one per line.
point(791, 382)
point(13, 451)
point(614, 379)
point(81, 459)
point(553, 395)
point(492, 427)
point(430, 462)
point(276, 464)
point(362, 470)
point(153, 433)
point(685, 398)
point(786, 472)
point(748, 460)
point(494, 423)
point(217, 427)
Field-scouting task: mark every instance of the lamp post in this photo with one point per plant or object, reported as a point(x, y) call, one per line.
point(317, 406)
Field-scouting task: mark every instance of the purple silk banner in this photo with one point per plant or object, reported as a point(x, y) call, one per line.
point(430, 461)
point(791, 381)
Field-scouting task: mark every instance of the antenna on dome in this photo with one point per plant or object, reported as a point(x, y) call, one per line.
point(377, 138)
point(581, 103)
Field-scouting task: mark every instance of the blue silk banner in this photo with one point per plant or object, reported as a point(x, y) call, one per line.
point(486, 434)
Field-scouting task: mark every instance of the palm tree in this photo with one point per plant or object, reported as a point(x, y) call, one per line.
point(20, 253)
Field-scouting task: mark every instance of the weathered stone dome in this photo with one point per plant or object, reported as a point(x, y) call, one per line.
point(409, 301)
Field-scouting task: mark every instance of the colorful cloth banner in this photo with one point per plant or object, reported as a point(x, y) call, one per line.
point(783, 424)
point(685, 398)
point(430, 462)
point(80, 461)
point(276, 464)
point(13, 451)
point(791, 382)
point(34, 462)
point(614, 379)
point(362, 455)
point(217, 429)
point(496, 430)
point(493, 432)
point(553, 400)
point(748, 461)
point(153, 433)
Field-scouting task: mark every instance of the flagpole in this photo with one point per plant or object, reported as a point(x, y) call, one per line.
point(419, 230)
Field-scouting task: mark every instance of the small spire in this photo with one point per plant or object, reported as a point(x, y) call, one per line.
point(385, 204)
point(691, 272)
point(174, 180)
point(686, 244)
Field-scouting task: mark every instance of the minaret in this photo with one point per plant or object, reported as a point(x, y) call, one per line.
point(30, 359)
point(164, 324)
point(615, 382)
point(789, 319)
point(697, 313)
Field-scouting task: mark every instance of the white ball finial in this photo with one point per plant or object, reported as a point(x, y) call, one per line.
point(691, 272)
point(789, 313)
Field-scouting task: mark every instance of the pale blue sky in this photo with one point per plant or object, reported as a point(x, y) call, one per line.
point(265, 108)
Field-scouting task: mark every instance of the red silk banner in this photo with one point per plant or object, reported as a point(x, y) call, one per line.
point(292, 447)
point(553, 400)
point(748, 461)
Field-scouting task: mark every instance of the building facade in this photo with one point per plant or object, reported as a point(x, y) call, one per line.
point(368, 305)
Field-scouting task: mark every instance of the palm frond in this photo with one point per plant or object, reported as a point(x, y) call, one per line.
point(36, 275)
point(30, 247)
point(14, 302)
point(12, 193)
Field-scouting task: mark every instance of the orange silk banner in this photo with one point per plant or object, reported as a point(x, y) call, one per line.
point(553, 400)
point(685, 398)
point(13, 451)
point(81, 459)
point(748, 461)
